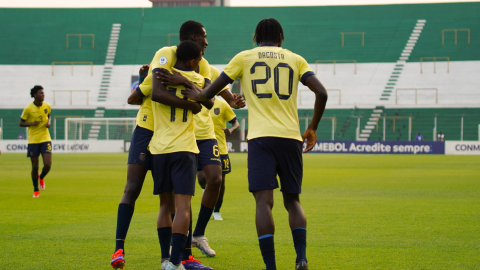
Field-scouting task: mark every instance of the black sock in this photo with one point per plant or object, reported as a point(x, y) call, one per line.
point(178, 245)
point(267, 248)
point(165, 238)
point(124, 216)
point(218, 206)
point(187, 252)
point(43, 174)
point(35, 184)
point(300, 243)
point(203, 218)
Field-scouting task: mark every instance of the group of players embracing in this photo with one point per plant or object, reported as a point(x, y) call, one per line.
point(180, 133)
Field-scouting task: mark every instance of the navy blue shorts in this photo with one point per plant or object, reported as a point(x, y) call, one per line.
point(35, 149)
point(269, 156)
point(138, 152)
point(175, 172)
point(209, 153)
point(226, 166)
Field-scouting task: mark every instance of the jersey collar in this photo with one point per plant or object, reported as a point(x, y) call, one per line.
point(268, 45)
point(182, 69)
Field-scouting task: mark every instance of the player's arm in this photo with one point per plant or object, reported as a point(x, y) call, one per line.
point(23, 120)
point(162, 95)
point(135, 98)
point(207, 93)
point(49, 122)
point(236, 102)
point(321, 97)
point(233, 128)
point(176, 78)
point(24, 123)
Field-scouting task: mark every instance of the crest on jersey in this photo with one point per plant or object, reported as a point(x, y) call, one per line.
point(163, 60)
point(45, 110)
point(142, 156)
point(216, 111)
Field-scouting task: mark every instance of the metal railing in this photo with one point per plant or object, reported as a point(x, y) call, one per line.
point(72, 63)
point(416, 93)
point(71, 95)
point(435, 63)
point(352, 33)
point(334, 64)
point(80, 39)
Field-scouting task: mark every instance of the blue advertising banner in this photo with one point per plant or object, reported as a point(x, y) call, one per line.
point(379, 147)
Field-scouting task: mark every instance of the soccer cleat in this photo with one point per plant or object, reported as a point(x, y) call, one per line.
point(164, 263)
point(217, 216)
point(191, 263)
point(171, 266)
point(42, 183)
point(201, 243)
point(302, 265)
point(36, 194)
point(118, 259)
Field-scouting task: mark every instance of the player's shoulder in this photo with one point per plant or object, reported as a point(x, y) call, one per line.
point(167, 49)
point(29, 106)
point(46, 104)
point(204, 61)
point(214, 71)
point(165, 54)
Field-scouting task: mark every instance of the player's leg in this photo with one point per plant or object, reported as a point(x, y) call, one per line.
point(180, 229)
point(290, 172)
point(34, 175)
point(164, 224)
point(209, 160)
point(46, 150)
point(139, 162)
point(261, 182)
point(202, 180)
point(218, 205)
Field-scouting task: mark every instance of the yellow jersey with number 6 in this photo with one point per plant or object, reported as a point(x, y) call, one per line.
point(32, 113)
point(221, 114)
point(174, 130)
point(269, 76)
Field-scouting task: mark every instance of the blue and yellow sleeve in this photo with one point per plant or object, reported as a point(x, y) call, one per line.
point(164, 58)
point(25, 114)
point(234, 69)
point(304, 70)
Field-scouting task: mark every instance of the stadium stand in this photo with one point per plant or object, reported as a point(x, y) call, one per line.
point(85, 59)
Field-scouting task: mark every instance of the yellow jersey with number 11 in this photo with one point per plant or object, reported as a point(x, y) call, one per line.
point(269, 76)
point(165, 58)
point(174, 129)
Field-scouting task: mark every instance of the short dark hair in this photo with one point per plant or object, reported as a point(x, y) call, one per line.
point(188, 50)
point(189, 29)
point(34, 90)
point(268, 30)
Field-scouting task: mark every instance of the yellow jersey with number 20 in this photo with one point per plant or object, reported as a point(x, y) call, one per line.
point(269, 76)
point(174, 129)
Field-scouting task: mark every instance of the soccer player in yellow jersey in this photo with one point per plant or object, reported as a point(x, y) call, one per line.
point(269, 76)
point(221, 114)
point(174, 151)
point(37, 117)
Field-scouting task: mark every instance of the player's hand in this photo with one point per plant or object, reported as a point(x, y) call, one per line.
point(190, 93)
point(36, 123)
point(168, 78)
point(48, 124)
point(239, 101)
point(227, 131)
point(143, 69)
point(196, 107)
point(311, 136)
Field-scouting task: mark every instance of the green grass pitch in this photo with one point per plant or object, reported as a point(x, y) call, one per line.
point(363, 212)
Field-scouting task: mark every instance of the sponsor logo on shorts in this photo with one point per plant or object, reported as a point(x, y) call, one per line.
point(142, 156)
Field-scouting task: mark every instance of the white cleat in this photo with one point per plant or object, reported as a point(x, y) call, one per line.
point(201, 243)
point(171, 266)
point(164, 264)
point(217, 216)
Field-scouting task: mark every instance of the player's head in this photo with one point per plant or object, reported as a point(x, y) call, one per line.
point(194, 31)
point(189, 53)
point(37, 93)
point(269, 31)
